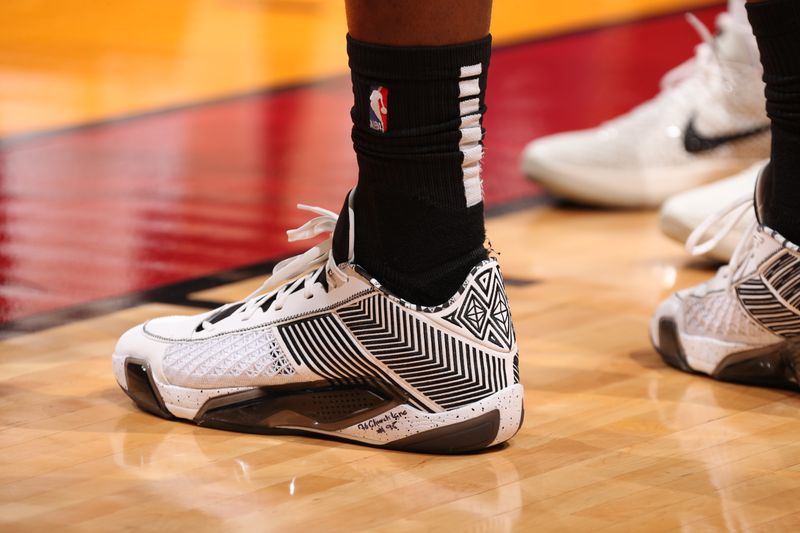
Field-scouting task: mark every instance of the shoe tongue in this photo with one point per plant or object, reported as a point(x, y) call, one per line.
point(344, 232)
point(735, 42)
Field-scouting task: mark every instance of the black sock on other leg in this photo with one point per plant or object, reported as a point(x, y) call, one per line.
point(776, 25)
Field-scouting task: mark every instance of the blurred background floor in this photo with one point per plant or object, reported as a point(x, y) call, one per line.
point(68, 62)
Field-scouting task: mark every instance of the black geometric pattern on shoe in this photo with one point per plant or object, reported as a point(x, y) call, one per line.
point(323, 345)
point(742, 325)
point(484, 311)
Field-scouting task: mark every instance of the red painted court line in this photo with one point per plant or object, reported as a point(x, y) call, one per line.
point(132, 205)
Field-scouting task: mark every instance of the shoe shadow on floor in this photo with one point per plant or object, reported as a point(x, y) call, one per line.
point(648, 358)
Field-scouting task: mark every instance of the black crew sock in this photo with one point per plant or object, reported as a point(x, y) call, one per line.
point(776, 25)
point(418, 136)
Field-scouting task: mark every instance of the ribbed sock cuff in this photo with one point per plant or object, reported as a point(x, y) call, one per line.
point(398, 63)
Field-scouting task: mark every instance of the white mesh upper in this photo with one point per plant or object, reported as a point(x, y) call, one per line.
point(233, 360)
point(720, 315)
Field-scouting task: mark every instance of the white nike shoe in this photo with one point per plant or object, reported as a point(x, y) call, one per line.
point(322, 349)
point(708, 122)
point(685, 211)
point(743, 324)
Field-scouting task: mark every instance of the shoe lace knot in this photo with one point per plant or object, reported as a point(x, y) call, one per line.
point(725, 219)
point(287, 276)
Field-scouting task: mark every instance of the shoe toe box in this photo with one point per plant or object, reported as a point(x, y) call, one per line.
point(665, 333)
point(679, 215)
point(137, 364)
point(581, 150)
point(667, 311)
point(552, 151)
point(146, 344)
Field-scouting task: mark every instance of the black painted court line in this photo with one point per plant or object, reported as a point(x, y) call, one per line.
point(520, 204)
point(175, 294)
point(180, 293)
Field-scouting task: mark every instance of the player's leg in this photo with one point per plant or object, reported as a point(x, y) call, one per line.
point(396, 331)
point(418, 22)
point(743, 325)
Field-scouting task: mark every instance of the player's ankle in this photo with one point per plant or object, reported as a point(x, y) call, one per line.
point(777, 204)
point(417, 134)
point(776, 25)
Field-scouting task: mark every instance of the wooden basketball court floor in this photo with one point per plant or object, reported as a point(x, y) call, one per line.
point(182, 187)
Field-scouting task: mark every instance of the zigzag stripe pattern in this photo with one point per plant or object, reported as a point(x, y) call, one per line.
point(322, 344)
point(784, 277)
point(764, 307)
point(449, 372)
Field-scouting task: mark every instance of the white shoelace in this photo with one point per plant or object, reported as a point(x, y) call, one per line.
point(705, 66)
point(730, 215)
point(313, 261)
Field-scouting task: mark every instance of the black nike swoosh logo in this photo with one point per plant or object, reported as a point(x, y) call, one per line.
point(695, 142)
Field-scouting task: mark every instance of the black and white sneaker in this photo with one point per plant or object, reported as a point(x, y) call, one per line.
point(743, 325)
point(322, 349)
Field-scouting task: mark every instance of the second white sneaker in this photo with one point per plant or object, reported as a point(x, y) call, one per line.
point(743, 324)
point(708, 122)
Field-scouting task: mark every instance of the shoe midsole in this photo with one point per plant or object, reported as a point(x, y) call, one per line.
point(775, 365)
point(369, 412)
point(705, 354)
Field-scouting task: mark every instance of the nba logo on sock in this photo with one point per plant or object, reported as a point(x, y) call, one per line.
point(378, 102)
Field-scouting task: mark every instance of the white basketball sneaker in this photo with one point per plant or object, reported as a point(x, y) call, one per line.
point(322, 349)
point(685, 211)
point(743, 325)
point(708, 122)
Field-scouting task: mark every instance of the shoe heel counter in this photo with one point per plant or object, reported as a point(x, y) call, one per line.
point(481, 310)
point(515, 369)
point(512, 356)
point(481, 313)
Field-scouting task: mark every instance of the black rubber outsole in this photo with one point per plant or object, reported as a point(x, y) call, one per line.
point(256, 411)
point(776, 366)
